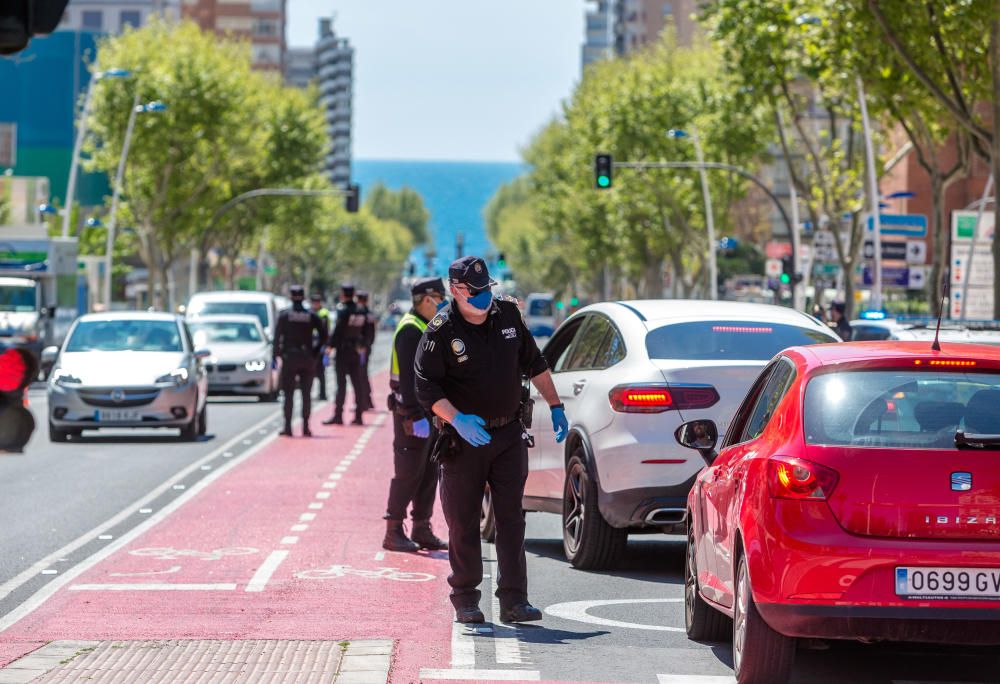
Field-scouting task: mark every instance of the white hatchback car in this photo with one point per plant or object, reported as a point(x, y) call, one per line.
point(629, 374)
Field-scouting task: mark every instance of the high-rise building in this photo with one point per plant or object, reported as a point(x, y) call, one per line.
point(300, 66)
point(261, 22)
point(114, 16)
point(615, 28)
point(602, 38)
point(335, 75)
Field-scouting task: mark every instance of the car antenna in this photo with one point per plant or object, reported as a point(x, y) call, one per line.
point(936, 345)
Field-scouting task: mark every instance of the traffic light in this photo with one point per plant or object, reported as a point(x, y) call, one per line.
point(788, 274)
point(352, 197)
point(22, 19)
point(603, 165)
point(17, 369)
point(501, 260)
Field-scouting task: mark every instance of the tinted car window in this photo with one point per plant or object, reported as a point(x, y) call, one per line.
point(612, 351)
point(556, 352)
point(767, 402)
point(865, 333)
point(900, 408)
point(258, 309)
point(722, 340)
point(588, 344)
point(540, 307)
point(126, 335)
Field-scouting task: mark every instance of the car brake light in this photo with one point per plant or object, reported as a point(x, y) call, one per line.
point(660, 398)
point(794, 478)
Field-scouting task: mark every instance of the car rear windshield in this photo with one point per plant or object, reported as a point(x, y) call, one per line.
point(224, 332)
point(900, 408)
point(258, 309)
point(125, 335)
point(17, 298)
point(728, 340)
point(540, 307)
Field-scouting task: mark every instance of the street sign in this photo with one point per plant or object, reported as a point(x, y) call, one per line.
point(776, 250)
point(772, 268)
point(892, 276)
point(981, 276)
point(980, 306)
point(905, 225)
point(916, 252)
point(891, 250)
point(824, 246)
point(916, 278)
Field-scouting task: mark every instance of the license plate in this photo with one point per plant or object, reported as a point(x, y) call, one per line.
point(117, 416)
point(948, 583)
point(221, 378)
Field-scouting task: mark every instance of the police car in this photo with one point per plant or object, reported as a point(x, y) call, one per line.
point(875, 325)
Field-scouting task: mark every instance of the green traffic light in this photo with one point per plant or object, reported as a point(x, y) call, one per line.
point(560, 305)
point(603, 181)
point(574, 301)
point(785, 278)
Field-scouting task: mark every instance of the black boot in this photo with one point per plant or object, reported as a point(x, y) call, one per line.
point(470, 615)
point(306, 432)
point(287, 432)
point(520, 612)
point(357, 418)
point(396, 539)
point(424, 536)
point(337, 419)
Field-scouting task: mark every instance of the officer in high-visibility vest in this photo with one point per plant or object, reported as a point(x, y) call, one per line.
point(316, 302)
point(415, 478)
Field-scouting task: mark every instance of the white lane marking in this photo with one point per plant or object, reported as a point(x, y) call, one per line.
point(171, 570)
point(341, 469)
point(577, 610)
point(322, 495)
point(43, 594)
point(104, 537)
point(380, 556)
point(179, 487)
point(153, 586)
point(505, 641)
point(463, 647)
point(13, 583)
point(316, 506)
point(335, 476)
point(329, 485)
point(298, 528)
point(289, 540)
point(50, 571)
point(306, 517)
point(267, 568)
point(145, 510)
point(247, 442)
point(696, 679)
point(483, 675)
point(206, 467)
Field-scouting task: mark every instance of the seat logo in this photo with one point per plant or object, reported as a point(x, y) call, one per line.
point(118, 395)
point(961, 482)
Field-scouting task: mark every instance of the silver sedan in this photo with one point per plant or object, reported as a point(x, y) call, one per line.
point(127, 370)
point(241, 360)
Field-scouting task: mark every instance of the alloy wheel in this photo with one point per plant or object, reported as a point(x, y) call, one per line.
point(690, 582)
point(574, 505)
point(740, 618)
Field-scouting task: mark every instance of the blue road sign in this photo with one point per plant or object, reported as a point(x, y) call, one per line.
point(907, 225)
point(892, 276)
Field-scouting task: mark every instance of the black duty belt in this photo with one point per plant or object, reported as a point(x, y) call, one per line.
point(491, 424)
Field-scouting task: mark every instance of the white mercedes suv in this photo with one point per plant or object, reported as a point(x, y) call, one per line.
point(629, 374)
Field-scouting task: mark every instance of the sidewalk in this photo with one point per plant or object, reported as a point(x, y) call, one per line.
point(276, 563)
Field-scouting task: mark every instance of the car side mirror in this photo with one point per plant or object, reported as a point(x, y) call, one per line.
point(701, 435)
point(202, 354)
point(49, 355)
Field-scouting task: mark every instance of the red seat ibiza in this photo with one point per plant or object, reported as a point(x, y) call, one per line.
point(856, 495)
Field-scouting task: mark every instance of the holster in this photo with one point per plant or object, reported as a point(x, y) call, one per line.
point(446, 446)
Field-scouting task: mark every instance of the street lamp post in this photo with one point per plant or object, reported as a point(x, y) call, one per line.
point(707, 196)
point(137, 108)
point(81, 132)
point(873, 195)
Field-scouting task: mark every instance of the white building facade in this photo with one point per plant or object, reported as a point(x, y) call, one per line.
point(335, 76)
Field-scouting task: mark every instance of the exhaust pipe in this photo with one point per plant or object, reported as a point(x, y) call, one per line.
point(666, 516)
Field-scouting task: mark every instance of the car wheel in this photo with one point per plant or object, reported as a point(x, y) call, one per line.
point(57, 435)
point(702, 622)
point(487, 519)
point(203, 421)
point(190, 432)
point(589, 542)
point(760, 655)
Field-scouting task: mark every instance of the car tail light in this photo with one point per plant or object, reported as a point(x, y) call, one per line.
point(660, 398)
point(794, 478)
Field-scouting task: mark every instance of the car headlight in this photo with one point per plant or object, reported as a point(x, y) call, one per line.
point(61, 377)
point(178, 376)
point(256, 365)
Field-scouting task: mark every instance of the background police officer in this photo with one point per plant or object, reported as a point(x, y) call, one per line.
point(369, 341)
point(415, 477)
point(469, 369)
point(316, 302)
point(297, 342)
point(346, 341)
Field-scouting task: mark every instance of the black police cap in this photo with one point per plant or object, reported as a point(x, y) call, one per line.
point(471, 271)
point(297, 292)
point(347, 290)
point(428, 286)
point(316, 297)
point(362, 295)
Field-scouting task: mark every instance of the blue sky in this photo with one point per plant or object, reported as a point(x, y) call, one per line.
point(451, 79)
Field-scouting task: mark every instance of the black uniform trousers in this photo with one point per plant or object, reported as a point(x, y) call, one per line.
point(414, 478)
point(321, 377)
point(503, 464)
point(348, 364)
point(367, 391)
point(297, 370)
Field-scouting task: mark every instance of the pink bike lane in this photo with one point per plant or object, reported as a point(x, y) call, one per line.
point(285, 545)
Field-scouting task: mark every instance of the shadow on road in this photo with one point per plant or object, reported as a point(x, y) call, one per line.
point(138, 439)
point(540, 634)
point(647, 558)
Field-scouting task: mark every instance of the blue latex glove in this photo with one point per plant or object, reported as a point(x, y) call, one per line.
point(471, 429)
point(559, 424)
point(421, 428)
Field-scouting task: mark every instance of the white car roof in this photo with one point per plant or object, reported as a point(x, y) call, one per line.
point(233, 296)
point(225, 318)
point(131, 316)
point(661, 311)
point(17, 282)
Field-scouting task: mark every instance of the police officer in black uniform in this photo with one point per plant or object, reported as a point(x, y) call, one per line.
point(469, 368)
point(415, 476)
point(347, 341)
point(369, 341)
point(297, 342)
point(316, 303)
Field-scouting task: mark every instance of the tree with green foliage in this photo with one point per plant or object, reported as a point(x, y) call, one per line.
point(405, 206)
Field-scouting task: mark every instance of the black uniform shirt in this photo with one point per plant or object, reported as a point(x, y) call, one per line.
point(371, 321)
point(407, 342)
point(295, 329)
point(478, 368)
point(348, 330)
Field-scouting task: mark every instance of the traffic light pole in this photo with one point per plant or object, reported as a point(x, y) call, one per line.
point(704, 166)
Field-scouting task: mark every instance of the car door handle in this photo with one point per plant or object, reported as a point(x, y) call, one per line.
point(578, 386)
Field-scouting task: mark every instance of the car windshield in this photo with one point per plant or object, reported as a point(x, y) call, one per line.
point(900, 408)
point(258, 309)
point(540, 307)
point(728, 340)
point(224, 332)
point(17, 298)
point(125, 335)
